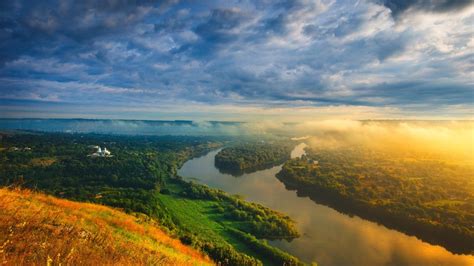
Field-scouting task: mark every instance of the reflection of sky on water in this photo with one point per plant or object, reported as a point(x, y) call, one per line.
point(328, 237)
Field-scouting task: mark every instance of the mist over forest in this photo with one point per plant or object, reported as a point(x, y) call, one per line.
point(454, 138)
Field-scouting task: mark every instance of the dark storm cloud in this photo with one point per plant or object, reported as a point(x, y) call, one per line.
point(399, 6)
point(221, 27)
point(28, 26)
point(220, 24)
point(402, 92)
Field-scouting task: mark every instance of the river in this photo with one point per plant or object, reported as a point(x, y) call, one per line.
point(328, 237)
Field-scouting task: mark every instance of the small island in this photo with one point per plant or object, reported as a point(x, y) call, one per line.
point(252, 156)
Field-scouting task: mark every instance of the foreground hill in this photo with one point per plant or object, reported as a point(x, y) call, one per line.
point(40, 229)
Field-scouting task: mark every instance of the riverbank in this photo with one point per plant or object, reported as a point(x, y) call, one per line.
point(451, 238)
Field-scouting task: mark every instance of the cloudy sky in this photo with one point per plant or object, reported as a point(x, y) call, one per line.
point(237, 60)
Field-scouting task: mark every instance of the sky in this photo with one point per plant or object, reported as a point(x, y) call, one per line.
point(237, 60)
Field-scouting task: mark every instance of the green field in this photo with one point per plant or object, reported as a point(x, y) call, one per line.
point(208, 222)
point(201, 218)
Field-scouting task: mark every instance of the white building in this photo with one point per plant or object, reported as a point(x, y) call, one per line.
point(101, 152)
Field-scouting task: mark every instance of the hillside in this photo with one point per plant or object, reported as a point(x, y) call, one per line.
point(40, 229)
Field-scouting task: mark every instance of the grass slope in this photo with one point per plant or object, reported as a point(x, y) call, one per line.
point(200, 217)
point(207, 220)
point(40, 229)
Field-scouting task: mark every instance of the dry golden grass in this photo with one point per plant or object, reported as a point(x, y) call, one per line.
point(36, 229)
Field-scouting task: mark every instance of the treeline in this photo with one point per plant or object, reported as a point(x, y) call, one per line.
point(251, 156)
point(140, 166)
point(276, 256)
point(223, 253)
point(418, 194)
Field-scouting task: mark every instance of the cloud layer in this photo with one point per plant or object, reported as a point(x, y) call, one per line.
point(395, 58)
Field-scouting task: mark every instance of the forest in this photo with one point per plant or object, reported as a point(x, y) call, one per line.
point(250, 156)
point(422, 194)
point(140, 177)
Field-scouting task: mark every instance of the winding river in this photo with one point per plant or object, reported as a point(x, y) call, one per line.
point(328, 237)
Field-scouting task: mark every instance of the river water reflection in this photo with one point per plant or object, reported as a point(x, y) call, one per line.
point(328, 237)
